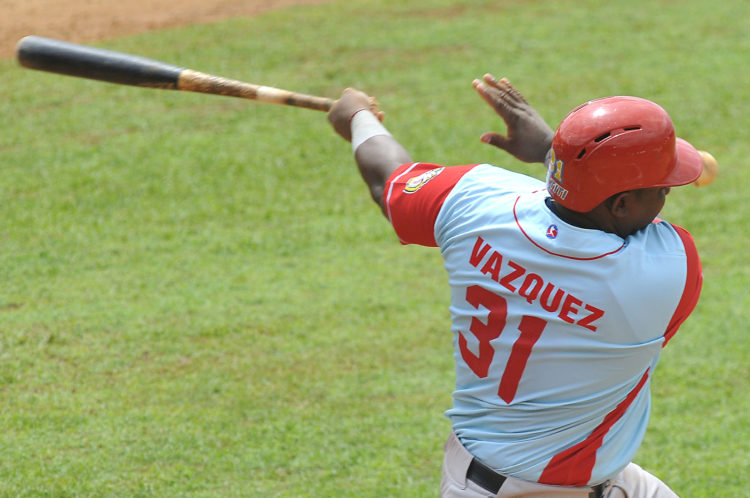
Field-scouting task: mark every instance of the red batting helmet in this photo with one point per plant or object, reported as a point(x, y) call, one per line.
point(615, 144)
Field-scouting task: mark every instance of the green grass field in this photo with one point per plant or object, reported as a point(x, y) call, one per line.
point(198, 297)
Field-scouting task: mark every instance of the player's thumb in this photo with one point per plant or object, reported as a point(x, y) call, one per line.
point(496, 139)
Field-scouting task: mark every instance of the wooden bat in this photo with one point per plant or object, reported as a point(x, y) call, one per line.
point(47, 54)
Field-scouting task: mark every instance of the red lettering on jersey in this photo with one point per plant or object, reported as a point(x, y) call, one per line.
point(587, 321)
point(546, 304)
point(498, 311)
point(492, 266)
point(518, 270)
point(531, 328)
point(477, 254)
point(531, 287)
point(570, 305)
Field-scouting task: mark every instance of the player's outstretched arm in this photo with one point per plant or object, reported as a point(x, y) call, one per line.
point(528, 136)
point(377, 153)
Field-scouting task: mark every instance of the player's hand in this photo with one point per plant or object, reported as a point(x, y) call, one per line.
point(528, 136)
point(350, 102)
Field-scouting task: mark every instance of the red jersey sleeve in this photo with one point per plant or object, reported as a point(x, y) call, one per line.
point(413, 197)
point(693, 284)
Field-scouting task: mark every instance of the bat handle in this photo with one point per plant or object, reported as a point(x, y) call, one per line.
point(195, 81)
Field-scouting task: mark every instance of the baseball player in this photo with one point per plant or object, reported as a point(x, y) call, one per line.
point(563, 292)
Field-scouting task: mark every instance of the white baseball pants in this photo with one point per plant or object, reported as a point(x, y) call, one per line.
point(632, 482)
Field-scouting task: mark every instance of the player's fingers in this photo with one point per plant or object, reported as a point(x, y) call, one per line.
point(497, 99)
point(494, 87)
point(507, 92)
point(503, 86)
point(482, 90)
point(375, 109)
point(489, 93)
point(492, 81)
point(494, 94)
point(512, 91)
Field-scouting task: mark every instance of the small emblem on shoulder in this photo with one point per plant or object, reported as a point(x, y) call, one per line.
point(416, 183)
point(552, 232)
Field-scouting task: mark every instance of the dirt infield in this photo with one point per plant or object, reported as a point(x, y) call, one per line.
point(91, 20)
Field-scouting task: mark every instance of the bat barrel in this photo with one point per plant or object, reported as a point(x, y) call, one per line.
point(46, 54)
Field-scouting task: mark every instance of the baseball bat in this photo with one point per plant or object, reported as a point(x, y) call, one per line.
point(47, 54)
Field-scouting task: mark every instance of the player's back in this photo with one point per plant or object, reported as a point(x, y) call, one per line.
point(556, 327)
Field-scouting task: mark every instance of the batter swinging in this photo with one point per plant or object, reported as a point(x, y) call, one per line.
point(563, 292)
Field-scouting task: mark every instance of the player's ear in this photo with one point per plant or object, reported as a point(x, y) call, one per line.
point(619, 204)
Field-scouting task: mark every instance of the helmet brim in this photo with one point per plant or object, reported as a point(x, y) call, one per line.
point(688, 166)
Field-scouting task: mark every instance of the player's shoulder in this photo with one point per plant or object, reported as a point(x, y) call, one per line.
point(485, 182)
point(483, 197)
point(662, 236)
point(491, 175)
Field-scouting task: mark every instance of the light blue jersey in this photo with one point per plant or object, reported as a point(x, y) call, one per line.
point(556, 328)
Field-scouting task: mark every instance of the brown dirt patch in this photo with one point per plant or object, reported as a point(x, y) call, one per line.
point(84, 21)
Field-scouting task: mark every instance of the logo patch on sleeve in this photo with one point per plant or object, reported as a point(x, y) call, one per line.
point(416, 183)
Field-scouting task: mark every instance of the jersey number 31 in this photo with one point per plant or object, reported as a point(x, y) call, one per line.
point(531, 328)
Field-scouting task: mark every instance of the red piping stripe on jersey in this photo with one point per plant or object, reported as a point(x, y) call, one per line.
point(390, 191)
point(554, 253)
point(693, 284)
point(573, 466)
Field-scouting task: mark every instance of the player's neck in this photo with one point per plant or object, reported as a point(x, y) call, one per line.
point(582, 220)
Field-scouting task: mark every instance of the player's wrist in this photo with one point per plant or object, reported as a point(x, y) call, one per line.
point(351, 117)
point(364, 125)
